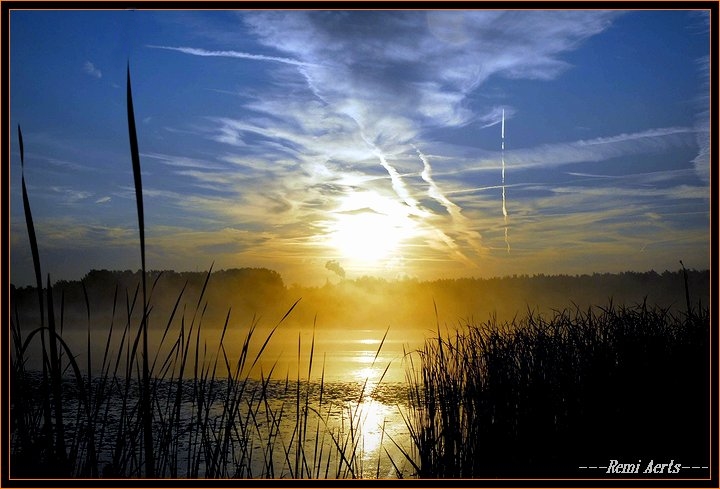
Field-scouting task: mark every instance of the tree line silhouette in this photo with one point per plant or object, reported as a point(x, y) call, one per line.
point(376, 302)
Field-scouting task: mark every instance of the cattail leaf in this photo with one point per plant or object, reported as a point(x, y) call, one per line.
point(22, 150)
point(145, 398)
point(135, 156)
point(31, 231)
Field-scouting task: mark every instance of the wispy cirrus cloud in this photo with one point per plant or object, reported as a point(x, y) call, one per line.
point(287, 125)
point(651, 141)
point(409, 69)
point(702, 123)
point(231, 54)
point(90, 69)
point(183, 161)
point(347, 112)
point(369, 99)
point(411, 76)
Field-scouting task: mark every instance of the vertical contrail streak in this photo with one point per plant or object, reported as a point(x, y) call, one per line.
point(502, 158)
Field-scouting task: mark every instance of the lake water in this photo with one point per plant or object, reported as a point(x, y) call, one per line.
point(353, 431)
point(339, 417)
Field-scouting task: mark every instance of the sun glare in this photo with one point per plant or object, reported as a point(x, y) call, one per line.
point(369, 230)
point(368, 237)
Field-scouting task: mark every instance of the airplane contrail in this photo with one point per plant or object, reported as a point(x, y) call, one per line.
point(433, 190)
point(396, 180)
point(502, 158)
point(459, 221)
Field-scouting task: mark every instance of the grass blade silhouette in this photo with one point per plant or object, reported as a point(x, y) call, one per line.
point(31, 230)
point(145, 396)
point(56, 389)
point(38, 279)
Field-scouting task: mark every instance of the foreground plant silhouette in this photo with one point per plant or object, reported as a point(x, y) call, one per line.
point(188, 413)
point(542, 397)
point(145, 392)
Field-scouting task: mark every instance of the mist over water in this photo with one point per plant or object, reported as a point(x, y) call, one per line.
point(342, 324)
point(336, 357)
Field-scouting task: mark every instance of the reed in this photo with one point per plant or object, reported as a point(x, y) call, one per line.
point(541, 397)
point(145, 393)
point(210, 418)
point(188, 413)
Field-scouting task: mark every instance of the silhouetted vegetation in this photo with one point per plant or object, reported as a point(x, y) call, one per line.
point(542, 397)
point(179, 411)
point(256, 290)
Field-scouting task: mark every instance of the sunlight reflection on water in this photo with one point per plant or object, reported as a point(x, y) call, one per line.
point(341, 355)
point(363, 418)
point(363, 392)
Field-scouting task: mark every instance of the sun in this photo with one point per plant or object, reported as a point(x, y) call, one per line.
point(369, 230)
point(367, 238)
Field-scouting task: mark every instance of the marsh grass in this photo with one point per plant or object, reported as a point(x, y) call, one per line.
point(210, 418)
point(541, 397)
point(190, 412)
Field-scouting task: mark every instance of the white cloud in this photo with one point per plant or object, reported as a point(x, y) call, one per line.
point(91, 70)
point(351, 93)
point(231, 54)
point(702, 123)
point(583, 151)
point(406, 68)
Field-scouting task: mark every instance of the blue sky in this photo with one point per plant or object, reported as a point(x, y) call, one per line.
point(359, 142)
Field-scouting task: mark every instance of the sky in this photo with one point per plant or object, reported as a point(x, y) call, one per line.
point(336, 144)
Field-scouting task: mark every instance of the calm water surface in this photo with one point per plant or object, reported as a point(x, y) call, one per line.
point(349, 400)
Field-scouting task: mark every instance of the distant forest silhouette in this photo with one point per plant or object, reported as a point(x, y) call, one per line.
point(375, 302)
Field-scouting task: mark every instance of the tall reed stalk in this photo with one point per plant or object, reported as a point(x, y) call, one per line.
point(52, 433)
point(145, 394)
point(47, 423)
